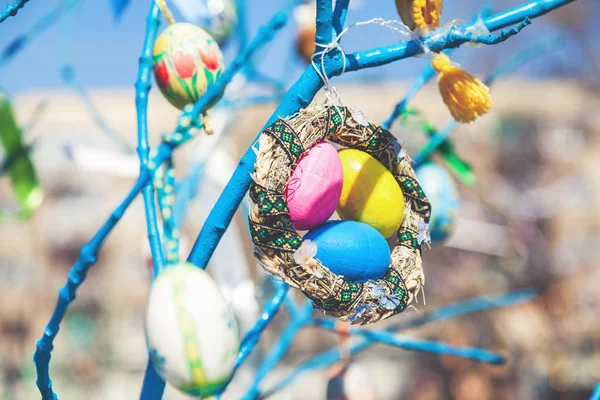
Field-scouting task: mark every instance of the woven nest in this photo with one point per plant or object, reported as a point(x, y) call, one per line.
point(276, 241)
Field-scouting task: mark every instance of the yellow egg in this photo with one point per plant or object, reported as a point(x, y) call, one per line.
point(370, 193)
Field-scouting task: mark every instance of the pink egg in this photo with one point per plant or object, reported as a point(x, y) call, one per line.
point(315, 186)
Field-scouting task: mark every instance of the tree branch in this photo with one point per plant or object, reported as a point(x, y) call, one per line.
point(324, 33)
point(339, 15)
point(12, 9)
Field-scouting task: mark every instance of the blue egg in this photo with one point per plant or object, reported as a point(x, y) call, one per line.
point(352, 249)
point(440, 189)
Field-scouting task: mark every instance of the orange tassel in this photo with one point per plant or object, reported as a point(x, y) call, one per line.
point(465, 96)
point(420, 13)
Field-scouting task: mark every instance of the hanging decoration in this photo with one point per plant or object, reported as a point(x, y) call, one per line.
point(315, 186)
point(186, 61)
point(350, 381)
point(192, 335)
point(217, 17)
point(304, 15)
point(279, 248)
point(442, 192)
point(371, 193)
point(465, 96)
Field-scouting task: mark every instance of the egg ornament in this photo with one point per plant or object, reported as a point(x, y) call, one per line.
point(186, 60)
point(315, 185)
point(350, 382)
point(305, 42)
point(351, 249)
point(217, 17)
point(370, 193)
point(440, 189)
point(192, 335)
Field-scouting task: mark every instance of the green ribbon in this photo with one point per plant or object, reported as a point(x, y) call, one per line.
point(17, 163)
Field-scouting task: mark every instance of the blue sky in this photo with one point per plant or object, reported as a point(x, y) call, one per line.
point(104, 53)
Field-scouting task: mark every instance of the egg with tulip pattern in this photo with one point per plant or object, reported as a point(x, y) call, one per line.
point(440, 189)
point(186, 60)
point(192, 334)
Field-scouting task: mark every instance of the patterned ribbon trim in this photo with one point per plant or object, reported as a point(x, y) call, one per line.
point(335, 116)
point(408, 238)
point(374, 144)
point(274, 238)
point(269, 201)
point(287, 139)
point(343, 299)
point(411, 189)
point(397, 286)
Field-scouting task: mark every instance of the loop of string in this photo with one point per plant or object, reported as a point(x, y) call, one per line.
point(400, 31)
point(164, 9)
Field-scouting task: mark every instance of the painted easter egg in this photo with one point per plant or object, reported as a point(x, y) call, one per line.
point(186, 61)
point(352, 249)
point(440, 189)
point(192, 335)
point(350, 382)
point(217, 17)
point(315, 186)
point(305, 42)
point(370, 193)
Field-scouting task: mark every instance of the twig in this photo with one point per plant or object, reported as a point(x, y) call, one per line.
point(12, 9)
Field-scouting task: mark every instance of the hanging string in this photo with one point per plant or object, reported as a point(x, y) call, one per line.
point(400, 30)
point(164, 9)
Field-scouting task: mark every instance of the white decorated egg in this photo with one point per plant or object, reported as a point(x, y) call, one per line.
point(192, 335)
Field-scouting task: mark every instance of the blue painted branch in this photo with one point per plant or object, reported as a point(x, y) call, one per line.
point(466, 307)
point(12, 9)
point(19, 42)
point(596, 393)
point(406, 343)
point(453, 310)
point(142, 87)
point(253, 335)
point(339, 15)
point(457, 36)
point(279, 348)
point(87, 257)
point(324, 34)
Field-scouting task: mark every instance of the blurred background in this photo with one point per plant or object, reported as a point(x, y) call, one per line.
point(529, 218)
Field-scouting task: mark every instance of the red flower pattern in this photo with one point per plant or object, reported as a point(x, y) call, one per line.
point(184, 63)
point(209, 57)
point(161, 73)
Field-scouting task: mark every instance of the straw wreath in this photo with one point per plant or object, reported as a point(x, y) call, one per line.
point(280, 249)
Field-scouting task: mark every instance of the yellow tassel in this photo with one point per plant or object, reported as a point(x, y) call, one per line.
point(420, 14)
point(207, 124)
point(466, 96)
